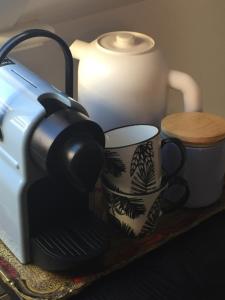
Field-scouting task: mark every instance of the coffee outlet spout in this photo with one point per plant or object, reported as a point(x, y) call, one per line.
point(51, 155)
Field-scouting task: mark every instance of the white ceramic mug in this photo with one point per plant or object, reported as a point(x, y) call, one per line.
point(138, 215)
point(133, 158)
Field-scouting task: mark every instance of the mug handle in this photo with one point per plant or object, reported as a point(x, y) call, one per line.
point(182, 150)
point(167, 205)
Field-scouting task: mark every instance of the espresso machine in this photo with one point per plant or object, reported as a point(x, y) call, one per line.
point(51, 155)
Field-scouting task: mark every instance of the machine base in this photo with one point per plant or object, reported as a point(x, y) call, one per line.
point(77, 246)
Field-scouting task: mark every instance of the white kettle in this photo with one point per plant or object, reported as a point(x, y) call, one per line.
point(123, 79)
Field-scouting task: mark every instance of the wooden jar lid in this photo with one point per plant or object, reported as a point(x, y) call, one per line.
point(196, 128)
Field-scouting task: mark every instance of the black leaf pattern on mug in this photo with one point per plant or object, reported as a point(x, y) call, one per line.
point(142, 169)
point(142, 158)
point(152, 218)
point(110, 185)
point(127, 230)
point(135, 160)
point(133, 208)
point(121, 227)
point(143, 184)
point(113, 164)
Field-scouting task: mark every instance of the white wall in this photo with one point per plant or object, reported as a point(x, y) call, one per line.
point(191, 34)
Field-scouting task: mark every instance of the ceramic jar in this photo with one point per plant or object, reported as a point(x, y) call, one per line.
point(203, 135)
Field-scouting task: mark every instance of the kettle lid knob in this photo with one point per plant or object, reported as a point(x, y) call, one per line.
point(124, 40)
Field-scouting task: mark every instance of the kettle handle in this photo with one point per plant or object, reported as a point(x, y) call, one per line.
point(189, 88)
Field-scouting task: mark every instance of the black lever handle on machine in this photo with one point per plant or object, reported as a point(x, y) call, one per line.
point(32, 33)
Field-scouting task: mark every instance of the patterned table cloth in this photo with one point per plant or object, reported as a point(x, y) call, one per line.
point(31, 282)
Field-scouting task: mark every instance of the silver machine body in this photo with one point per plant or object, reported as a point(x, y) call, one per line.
point(51, 155)
point(20, 112)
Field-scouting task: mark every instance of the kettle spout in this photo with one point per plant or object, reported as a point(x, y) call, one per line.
point(78, 49)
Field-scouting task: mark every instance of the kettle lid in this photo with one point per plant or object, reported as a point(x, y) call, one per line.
point(126, 42)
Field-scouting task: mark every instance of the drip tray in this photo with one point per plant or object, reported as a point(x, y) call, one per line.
point(77, 246)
